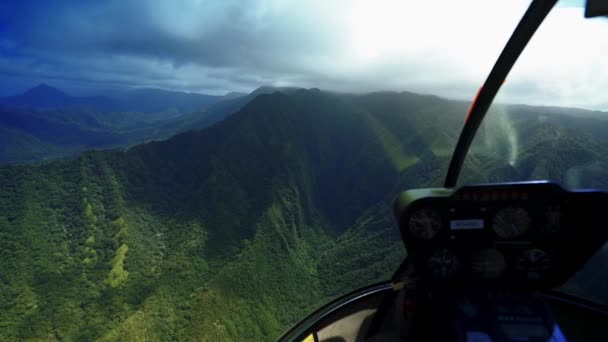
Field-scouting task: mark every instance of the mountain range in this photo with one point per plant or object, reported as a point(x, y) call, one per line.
point(141, 100)
point(263, 209)
point(45, 123)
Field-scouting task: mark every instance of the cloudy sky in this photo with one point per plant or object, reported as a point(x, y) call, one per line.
point(215, 46)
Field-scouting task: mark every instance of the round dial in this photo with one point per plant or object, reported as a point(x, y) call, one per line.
point(425, 223)
point(511, 222)
point(553, 218)
point(488, 264)
point(534, 263)
point(443, 264)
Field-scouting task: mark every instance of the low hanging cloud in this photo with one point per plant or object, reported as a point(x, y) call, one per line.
point(440, 47)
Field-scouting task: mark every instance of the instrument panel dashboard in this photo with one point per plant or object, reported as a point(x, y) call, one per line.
point(530, 235)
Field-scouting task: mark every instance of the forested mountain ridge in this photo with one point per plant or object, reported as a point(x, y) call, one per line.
point(233, 232)
point(45, 123)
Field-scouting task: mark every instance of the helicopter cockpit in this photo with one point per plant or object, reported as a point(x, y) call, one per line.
point(483, 260)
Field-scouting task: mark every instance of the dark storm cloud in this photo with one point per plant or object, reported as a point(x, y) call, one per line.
point(150, 42)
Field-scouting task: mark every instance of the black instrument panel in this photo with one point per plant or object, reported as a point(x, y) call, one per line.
point(532, 235)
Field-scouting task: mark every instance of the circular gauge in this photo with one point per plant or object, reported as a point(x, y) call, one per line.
point(425, 224)
point(443, 264)
point(534, 263)
point(488, 264)
point(511, 222)
point(553, 218)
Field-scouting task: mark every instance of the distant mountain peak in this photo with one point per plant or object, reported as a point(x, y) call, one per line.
point(233, 95)
point(45, 90)
point(266, 89)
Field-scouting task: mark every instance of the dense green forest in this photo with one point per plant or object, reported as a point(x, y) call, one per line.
point(236, 231)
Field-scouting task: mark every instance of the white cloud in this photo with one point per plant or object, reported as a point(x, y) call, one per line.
point(449, 49)
point(566, 62)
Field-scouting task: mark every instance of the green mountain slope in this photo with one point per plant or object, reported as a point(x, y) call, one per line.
point(229, 233)
point(216, 233)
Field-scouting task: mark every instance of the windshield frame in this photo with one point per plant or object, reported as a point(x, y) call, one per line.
point(530, 22)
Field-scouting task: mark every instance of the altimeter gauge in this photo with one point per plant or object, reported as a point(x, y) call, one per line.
point(425, 223)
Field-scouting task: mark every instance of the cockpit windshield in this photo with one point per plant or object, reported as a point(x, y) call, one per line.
point(550, 118)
